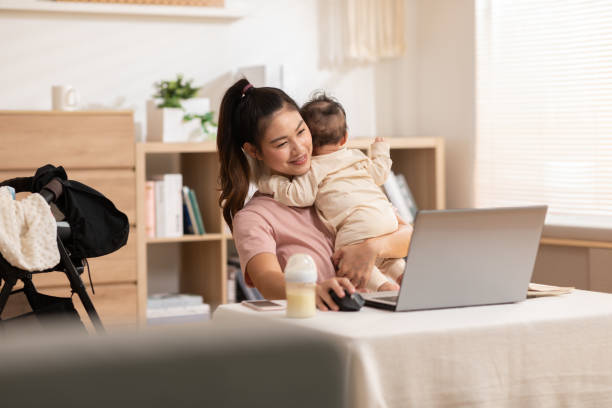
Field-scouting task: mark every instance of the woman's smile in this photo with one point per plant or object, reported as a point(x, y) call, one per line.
point(300, 161)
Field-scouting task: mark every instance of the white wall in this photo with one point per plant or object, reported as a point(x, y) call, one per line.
point(446, 83)
point(114, 60)
point(431, 90)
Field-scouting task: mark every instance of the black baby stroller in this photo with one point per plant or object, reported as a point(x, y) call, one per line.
point(92, 227)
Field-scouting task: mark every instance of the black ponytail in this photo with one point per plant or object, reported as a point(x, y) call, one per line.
point(243, 117)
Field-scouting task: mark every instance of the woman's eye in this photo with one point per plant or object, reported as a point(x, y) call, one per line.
point(282, 144)
point(301, 131)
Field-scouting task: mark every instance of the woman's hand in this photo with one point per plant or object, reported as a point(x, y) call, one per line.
point(356, 261)
point(324, 300)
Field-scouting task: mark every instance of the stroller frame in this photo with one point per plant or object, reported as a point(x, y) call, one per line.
point(10, 274)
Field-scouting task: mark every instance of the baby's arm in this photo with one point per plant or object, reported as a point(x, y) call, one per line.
point(299, 192)
point(380, 166)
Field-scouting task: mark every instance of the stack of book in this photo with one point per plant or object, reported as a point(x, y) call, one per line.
point(539, 290)
point(167, 308)
point(401, 197)
point(172, 209)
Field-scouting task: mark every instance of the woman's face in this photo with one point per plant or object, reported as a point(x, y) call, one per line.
point(286, 145)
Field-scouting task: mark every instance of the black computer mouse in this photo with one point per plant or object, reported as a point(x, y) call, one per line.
point(349, 303)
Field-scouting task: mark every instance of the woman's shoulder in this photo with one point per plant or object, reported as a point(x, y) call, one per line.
point(263, 208)
point(260, 208)
point(258, 204)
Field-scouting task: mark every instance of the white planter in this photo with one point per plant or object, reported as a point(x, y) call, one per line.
point(167, 125)
point(196, 105)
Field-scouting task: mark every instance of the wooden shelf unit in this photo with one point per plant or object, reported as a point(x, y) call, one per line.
point(203, 266)
point(118, 9)
point(203, 257)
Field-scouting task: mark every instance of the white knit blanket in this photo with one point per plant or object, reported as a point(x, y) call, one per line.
point(28, 232)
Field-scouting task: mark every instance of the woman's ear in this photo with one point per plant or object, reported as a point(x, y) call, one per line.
point(251, 150)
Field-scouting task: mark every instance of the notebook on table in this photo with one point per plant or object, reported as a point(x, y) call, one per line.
point(467, 257)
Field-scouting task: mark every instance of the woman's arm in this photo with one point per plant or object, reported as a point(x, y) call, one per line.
point(265, 272)
point(356, 261)
point(267, 276)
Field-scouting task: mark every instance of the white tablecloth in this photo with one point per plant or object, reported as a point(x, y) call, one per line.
point(543, 352)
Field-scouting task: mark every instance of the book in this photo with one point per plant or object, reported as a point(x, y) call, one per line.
point(539, 290)
point(178, 314)
point(187, 225)
point(196, 211)
point(150, 209)
point(191, 226)
point(175, 311)
point(163, 300)
point(169, 205)
point(173, 184)
point(159, 208)
point(167, 308)
point(407, 195)
point(396, 198)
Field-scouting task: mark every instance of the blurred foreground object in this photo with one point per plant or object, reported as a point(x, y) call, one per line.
point(204, 365)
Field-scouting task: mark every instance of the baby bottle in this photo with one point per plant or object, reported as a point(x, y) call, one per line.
point(300, 285)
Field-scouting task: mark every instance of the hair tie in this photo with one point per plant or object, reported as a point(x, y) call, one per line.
point(246, 88)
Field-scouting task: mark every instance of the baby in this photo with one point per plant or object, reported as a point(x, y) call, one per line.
point(343, 184)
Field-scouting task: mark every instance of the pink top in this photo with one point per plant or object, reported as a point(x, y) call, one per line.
point(267, 226)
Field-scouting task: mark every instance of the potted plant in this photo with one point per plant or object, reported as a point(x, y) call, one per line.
point(207, 122)
point(176, 115)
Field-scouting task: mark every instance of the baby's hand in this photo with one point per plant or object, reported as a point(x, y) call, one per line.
point(379, 139)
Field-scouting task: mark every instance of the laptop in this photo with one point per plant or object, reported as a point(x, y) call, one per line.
point(467, 257)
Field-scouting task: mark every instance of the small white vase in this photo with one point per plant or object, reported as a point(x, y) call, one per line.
point(167, 124)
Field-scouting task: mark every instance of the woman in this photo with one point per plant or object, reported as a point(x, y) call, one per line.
point(265, 123)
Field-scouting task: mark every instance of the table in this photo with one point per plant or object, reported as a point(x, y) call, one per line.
point(542, 352)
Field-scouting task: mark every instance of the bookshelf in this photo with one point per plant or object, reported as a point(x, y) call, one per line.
point(203, 266)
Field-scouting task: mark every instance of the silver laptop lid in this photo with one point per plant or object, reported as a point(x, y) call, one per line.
point(471, 257)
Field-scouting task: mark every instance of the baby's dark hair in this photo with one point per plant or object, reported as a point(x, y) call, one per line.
point(326, 119)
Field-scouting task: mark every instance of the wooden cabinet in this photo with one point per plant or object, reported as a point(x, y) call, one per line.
point(202, 267)
point(97, 149)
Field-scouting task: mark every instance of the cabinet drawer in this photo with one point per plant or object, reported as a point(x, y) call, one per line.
point(118, 185)
point(70, 139)
point(118, 267)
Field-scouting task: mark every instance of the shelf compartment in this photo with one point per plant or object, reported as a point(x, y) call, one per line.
point(204, 271)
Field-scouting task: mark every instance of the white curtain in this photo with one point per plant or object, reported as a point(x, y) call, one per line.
point(360, 31)
point(544, 108)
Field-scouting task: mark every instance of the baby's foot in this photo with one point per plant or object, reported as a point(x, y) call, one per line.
point(388, 286)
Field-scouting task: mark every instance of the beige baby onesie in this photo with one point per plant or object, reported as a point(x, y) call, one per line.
point(344, 187)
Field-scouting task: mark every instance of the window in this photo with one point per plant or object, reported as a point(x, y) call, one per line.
point(544, 108)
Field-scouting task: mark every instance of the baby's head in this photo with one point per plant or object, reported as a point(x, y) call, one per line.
point(326, 119)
